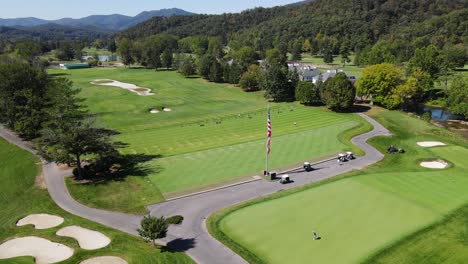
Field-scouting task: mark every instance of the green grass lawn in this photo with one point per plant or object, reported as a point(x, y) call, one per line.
point(19, 198)
point(214, 134)
point(358, 214)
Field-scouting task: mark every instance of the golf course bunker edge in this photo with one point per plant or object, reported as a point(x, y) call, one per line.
point(429, 144)
point(87, 239)
point(104, 260)
point(41, 221)
point(141, 91)
point(43, 250)
point(435, 164)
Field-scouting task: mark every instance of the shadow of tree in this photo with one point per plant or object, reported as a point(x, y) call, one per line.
point(58, 74)
point(180, 245)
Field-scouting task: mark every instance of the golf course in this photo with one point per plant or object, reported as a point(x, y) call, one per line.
point(393, 212)
point(21, 195)
point(200, 134)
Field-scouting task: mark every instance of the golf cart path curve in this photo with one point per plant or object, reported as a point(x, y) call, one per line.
point(192, 236)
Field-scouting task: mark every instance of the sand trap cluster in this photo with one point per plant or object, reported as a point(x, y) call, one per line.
point(436, 164)
point(127, 86)
point(104, 260)
point(41, 221)
point(87, 239)
point(43, 250)
point(428, 144)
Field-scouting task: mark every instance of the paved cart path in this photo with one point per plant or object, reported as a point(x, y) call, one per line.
point(192, 236)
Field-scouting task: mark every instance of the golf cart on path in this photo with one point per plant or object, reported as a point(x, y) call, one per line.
point(285, 179)
point(308, 166)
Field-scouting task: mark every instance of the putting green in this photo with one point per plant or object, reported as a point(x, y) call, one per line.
point(356, 216)
point(214, 134)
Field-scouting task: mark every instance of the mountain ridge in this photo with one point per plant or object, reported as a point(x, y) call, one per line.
point(112, 22)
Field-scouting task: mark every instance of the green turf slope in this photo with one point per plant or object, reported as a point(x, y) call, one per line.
point(355, 216)
point(215, 134)
point(19, 198)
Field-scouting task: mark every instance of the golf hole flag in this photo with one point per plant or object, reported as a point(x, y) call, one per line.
point(268, 132)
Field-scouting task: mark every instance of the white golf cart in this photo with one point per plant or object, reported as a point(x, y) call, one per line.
point(342, 158)
point(350, 156)
point(308, 166)
point(285, 179)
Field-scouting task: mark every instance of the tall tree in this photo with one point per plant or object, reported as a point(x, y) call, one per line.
point(428, 59)
point(125, 50)
point(167, 58)
point(277, 85)
point(457, 100)
point(251, 79)
point(338, 93)
point(379, 81)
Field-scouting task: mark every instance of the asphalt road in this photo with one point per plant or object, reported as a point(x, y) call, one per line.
point(191, 236)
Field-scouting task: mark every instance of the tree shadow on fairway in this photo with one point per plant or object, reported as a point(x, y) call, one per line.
point(119, 167)
point(180, 245)
point(357, 108)
point(58, 74)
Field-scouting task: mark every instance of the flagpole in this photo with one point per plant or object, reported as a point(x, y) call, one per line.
point(266, 147)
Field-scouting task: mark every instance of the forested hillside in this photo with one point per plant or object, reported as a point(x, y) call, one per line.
point(361, 22)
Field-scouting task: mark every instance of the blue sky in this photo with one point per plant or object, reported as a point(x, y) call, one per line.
point(53, 9)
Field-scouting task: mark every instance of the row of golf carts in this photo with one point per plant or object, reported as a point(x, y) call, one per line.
point(284, 179)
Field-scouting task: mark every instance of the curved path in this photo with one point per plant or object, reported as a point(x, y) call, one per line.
point(191, 236)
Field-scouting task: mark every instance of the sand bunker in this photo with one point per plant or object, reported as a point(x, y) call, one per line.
point(43, 250)
point(127, 86)
point(154, 111)
point(104, 260)
point(437, 164)
point(428, 144)
point(87, 239)
point(167, 109)
point(41, 221)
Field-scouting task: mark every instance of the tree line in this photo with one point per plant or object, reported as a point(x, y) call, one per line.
point(47, 110)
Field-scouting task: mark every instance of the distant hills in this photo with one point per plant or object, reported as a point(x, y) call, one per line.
point(107, 23)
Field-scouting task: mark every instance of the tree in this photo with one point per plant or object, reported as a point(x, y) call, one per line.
point(22, 92)
point(455, 56)
point(428, 59)
point(245, 56)
point(250, 80)
point(28, 50)
point(125, 50)
point(187, 66)
point(65, 51)
point(344, 53)
point(152, 53)
point(277, 84)
point(216, 72)
point(296, 50)
point(306, 46)
point(457, 100)
point(204, 66)
point(328, 56)
point(307, 93)
point(167, 58)
point(274, 58)
point(338, 93)
point(379, 81)
point(153, 228)
point(111, 45)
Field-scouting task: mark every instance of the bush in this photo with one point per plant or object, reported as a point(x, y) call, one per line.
point(175, 220)
point(426, 116)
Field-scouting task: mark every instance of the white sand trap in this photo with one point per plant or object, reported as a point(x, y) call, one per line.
point(154, 111)
point(428, 144)
point(167, 110)
point(104, 260)
point(41, 221)
point(127, 86)
point(87, 239)
point(43, 250)
point(438, 164)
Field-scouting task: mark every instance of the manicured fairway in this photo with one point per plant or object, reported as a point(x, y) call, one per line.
point(215, 133)
point(19, 198)
point(361, 215)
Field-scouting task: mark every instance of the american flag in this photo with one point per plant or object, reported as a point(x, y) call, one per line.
point(268, 132)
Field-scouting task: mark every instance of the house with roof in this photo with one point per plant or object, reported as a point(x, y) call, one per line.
point(332, 73)
point(305, 72)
